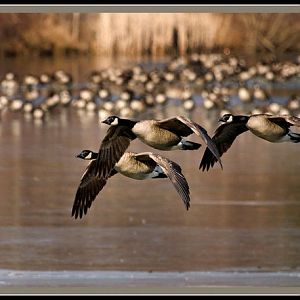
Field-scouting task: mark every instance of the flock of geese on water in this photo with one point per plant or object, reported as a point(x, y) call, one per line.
point(215, 82)
point(121, 95)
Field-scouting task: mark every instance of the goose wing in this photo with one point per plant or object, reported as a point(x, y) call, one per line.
point(285, 121)
point(173, 171)
point(176, 126)
point(113, 146)
point(185, 125)
point(223, 138)
point(89, 187)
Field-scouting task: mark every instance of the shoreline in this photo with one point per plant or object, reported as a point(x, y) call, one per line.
point(139, 282)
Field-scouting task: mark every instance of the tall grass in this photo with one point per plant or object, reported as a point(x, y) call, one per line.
point(154, 34)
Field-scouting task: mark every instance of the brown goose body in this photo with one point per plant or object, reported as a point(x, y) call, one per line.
point(131, 167)
point(262, 126)
point(150, 133)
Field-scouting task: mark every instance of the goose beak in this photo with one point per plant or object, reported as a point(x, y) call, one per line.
point(105, 122)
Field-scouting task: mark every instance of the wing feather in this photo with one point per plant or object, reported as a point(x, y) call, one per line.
point(285, 121)
point(184, 127)
point(113, 146)
point(223, 138)
point(173, 171)
point(88, 189)
point(201, 131)
point(176, 126)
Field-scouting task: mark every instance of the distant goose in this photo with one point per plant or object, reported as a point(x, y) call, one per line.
point(16, 104)
point(244, 94)
point(79, 103)
point(244, 76)
point(274, 108)
point(127, 95)
point(30, 81)
point(4, 101)
point(270, 76)
point(86, 94)
point(91, 106)
point(52, 101)
point(284, 111)
point(169, 76)
point(121, 103)
point(274, 129)
point(211, 101)
point(65, 97)
point(260, 94)
point(38, 113)
point(209, 76)
point(186, 93)
point(149, 86)
point(62, 77)
point(293, 102)
point(95, 77)
point(167, 134)
point(189, 104)
point(126, 112)
point(149, 100)
point(108, 105)
point(9, 85)
point(138, 105)
point(139, 166)
point(104, 93)
point(161, 98)
point(28, 107)
point(45, 79)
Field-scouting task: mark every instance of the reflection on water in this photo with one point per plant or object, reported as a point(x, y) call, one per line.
point(244, 217)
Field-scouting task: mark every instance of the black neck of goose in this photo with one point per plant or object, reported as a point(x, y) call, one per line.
point(241, 119)
point(94, 155)
point(126, 122)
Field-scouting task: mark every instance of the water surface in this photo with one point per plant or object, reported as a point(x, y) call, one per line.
point(245, 218)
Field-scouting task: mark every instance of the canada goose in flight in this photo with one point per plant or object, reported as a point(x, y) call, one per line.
point(166, 134)
point(138, 166)
point(273, 128)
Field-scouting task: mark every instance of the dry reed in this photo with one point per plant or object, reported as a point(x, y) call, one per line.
point(155, 34)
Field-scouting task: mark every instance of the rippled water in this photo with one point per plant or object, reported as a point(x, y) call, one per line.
point(245, 218)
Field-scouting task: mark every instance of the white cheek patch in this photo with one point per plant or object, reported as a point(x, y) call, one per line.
point(89, 156)
point(115, 122)
point(230, 119)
